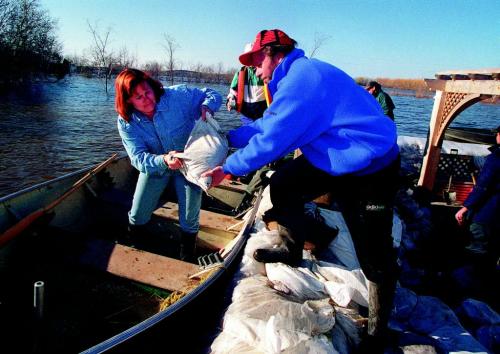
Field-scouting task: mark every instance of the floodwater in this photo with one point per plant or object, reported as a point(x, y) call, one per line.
point(49, 129)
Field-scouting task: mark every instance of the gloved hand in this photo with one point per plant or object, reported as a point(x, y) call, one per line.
point(217, 175)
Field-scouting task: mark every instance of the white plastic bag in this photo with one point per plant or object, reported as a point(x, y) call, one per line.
point(206, 148)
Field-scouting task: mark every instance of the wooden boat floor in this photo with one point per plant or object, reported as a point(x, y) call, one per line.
point(216, 230)
point(138, 265)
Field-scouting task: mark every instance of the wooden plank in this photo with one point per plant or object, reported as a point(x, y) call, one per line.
point(144, 267)
point(208, 219)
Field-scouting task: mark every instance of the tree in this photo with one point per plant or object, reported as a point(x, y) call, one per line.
point(28, 43)
point(170, 45)
point(153, 68)
point(125, 59)
point(101, 55)
point(319, 40)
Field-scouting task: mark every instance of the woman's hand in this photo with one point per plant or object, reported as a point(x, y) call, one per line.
point(459, 216)
point(173, 163)
point(217, 175)
point(204, 111)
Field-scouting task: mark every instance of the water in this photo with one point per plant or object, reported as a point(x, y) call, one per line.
point(50, 129)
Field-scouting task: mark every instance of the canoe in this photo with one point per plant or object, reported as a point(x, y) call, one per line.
point(470, 135)
point(72, 281)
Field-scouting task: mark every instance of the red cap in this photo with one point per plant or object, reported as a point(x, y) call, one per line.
point(264, 38)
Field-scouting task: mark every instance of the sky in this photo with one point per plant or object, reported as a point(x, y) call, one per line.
point(365, 38)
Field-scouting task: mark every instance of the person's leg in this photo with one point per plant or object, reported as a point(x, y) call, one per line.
point(479, 239)
point(291, 186)
point(367, 205)
point(146, 197)
point(189, 200)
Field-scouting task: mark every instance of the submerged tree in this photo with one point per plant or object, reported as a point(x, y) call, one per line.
point(28, 43)
point(170, 46)
point(100, 54)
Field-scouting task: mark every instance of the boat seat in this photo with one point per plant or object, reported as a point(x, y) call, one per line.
point(216, 230)
point(138, 265)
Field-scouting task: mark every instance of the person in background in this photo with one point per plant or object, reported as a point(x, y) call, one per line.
point(482, 207)
point(246, 93)
point(349, 148)
point(382, 98)
point(155, 122)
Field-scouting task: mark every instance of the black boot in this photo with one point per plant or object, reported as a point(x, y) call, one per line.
point(188, 246)
point(135, 235)
point(290, 253)
point(380, 299)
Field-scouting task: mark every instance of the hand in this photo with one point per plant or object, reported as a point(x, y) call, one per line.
point(173, 163)
point(204, 111)
point(459, 216)
point(217, 175)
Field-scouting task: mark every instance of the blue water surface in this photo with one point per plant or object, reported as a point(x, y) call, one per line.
point(50, 128)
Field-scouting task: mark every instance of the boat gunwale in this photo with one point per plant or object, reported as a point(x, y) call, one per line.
point(40, 185)
point(191, 296)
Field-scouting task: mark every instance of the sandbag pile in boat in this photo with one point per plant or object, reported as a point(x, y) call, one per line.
point(206, 148)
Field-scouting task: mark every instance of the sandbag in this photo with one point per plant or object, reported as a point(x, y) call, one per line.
point(206, 148)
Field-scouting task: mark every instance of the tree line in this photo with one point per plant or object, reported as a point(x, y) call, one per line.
point(28, 43)
point(29, 48)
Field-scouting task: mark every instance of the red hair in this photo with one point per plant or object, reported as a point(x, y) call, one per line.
point(125, 84)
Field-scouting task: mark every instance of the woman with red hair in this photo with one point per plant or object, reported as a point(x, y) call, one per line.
point(154, 122)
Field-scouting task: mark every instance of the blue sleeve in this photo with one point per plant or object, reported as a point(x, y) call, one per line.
point(136, 148)
point(485, 185)
point(239, 138)
point(285, 126)
point(205, 97)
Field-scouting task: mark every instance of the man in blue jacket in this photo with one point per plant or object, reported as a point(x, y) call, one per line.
point(349, 148)
point(483, 203)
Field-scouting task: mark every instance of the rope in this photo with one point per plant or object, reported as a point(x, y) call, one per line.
point(179, 294)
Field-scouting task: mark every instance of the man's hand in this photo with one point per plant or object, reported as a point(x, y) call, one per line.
point(204, 111)
point(459, 216)
point(173, 163)
point(217, 175)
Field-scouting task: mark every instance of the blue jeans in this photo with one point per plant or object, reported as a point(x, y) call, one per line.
point(147, 196)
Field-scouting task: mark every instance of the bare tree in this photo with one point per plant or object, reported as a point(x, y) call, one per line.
point(219, 69)
point(170, 45)
point(125, 59)
point(101, 55)
point(153, 68)
point(319, 40)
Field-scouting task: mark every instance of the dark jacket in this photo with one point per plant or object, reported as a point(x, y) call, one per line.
point(484, 200)
point(386, 103)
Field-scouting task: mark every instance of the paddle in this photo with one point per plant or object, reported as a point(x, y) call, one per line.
point(23, 224)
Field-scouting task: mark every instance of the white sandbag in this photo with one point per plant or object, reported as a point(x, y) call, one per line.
point(341, 248)
point(206, 148)
point(298, 282)
point(314, 345)
point(269, 322)
point(226, 343)
point(343, 285)
point(262, 239)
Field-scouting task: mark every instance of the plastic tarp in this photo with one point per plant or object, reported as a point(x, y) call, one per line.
point(206, 148)
point(430, 318)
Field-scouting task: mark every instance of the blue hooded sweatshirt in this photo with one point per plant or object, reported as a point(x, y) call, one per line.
point(339, 127)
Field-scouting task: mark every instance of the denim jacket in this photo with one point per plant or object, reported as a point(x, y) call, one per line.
point(147, 140)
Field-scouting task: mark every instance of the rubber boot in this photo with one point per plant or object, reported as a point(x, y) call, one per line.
point(290, 253)
point(135, 235)
point(380, 299)
point(188, 246)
